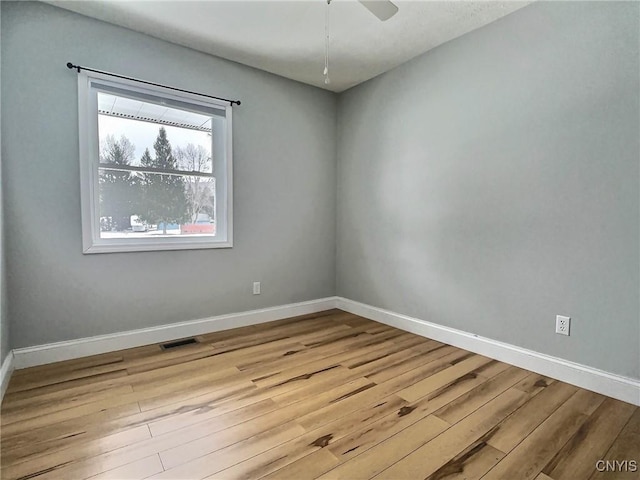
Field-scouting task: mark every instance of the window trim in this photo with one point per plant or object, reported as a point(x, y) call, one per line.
point(89, 165)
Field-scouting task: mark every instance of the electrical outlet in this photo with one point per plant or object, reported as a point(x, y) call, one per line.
point(256, 288)
point(562, 325)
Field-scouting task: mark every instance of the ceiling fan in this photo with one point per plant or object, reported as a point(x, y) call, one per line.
point(383, 9)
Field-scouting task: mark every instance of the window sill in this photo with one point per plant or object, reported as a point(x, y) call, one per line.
point(122, 247)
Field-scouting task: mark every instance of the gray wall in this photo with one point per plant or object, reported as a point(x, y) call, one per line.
point(284, 187)
point(5, 345)
point(492, 183)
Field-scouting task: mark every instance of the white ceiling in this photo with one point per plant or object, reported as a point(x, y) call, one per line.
point(287, 37)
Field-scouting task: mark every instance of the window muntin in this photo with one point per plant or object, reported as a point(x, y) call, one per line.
point(155, 166)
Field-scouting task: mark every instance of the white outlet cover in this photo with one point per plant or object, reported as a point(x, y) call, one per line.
point(563, 324)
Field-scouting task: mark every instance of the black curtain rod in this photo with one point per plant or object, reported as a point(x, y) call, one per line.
point(78, 67)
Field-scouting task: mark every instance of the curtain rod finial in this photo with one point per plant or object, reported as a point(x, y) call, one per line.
point(69, 65)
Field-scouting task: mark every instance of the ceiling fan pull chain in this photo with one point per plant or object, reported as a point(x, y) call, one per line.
point(327, 81)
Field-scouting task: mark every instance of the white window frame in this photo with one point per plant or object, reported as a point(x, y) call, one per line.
point(89, 175)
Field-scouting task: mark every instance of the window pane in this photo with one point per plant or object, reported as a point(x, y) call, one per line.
point(141, 134)
point(151, 205)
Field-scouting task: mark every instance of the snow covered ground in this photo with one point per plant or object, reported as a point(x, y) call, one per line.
point(151, 234)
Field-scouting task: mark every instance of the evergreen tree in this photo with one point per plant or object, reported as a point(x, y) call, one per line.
point(164, 197)
point(117, 192)
point(146, 160)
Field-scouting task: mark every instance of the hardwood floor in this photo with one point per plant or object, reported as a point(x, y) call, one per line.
point(329, 395)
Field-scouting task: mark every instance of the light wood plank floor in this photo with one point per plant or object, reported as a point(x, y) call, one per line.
point(329, 395)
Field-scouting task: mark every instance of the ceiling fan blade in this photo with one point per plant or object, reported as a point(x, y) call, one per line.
point(383, 9)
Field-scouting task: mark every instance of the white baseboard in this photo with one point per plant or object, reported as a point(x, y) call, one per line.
point(5, 374)
point(83, 347)
point(616, 386)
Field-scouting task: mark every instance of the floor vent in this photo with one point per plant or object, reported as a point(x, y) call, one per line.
point(178, 343)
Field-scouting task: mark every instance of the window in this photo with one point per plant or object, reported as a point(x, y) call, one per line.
point(155, 168)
